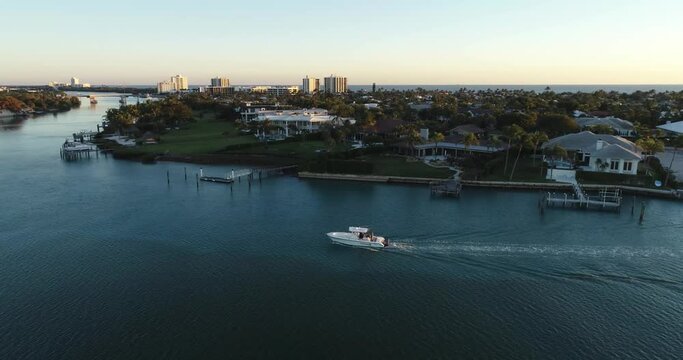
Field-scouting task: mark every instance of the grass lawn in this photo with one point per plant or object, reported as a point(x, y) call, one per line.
point(302, 149)
point(392, 165)
point(202, 137)
point(525, 170)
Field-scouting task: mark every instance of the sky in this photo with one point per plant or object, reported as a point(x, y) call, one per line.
point(382, 41)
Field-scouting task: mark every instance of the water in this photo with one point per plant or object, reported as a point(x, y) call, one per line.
point(102, 259)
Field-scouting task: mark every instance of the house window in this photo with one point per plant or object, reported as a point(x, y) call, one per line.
point(628, 166)
point(614, 165)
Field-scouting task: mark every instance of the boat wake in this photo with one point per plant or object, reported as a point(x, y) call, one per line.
point(572, 266)
point(479, 249)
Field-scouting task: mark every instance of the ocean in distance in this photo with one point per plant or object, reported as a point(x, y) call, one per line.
point(101, 259)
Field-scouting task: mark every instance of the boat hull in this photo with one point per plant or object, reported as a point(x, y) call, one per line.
point(349, 239)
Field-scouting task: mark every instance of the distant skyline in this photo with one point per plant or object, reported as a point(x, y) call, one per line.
point(387, 42)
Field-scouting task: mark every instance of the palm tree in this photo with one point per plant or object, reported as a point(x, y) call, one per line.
point(537, 138)
point(650, 146)
point(511, 132)
point(437, 138)
point(522, 140)
point(494, 142)
point(470, 140)
point(677, 142)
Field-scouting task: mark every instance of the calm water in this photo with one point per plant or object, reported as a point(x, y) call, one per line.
point(102, 259)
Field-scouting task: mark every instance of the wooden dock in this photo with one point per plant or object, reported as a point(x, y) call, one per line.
point(451, 187)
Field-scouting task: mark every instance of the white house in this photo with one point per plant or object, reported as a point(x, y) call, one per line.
point(600, 152)
point(621, 126)
point(287, 121)
point(674, 128)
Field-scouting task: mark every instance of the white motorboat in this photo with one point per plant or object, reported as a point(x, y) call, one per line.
point(359, 237)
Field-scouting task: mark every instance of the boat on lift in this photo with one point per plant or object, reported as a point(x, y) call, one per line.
point(359, 237)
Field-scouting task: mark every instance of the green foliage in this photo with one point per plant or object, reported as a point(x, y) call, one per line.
point(17, 101)
point(601, 129)
point(557, 124)
point(650, 145)
point(152, 115)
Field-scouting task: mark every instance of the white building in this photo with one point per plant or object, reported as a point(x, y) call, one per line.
point(181, 82)
point(336, 84)
point(673, 128)
point(311, 85)
point(600, 152)
point(292, 122)
point(166, 87)
point(620, 126)
point(220, 82)
point(176, 84)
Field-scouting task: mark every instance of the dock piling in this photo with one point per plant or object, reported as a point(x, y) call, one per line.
point(642, 212)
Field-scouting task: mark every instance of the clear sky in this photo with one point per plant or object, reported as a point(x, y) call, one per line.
point(382, 41)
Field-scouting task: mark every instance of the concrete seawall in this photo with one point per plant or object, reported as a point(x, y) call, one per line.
point(549, 186)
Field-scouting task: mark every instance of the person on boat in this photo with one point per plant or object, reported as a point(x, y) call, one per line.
point(360, 235)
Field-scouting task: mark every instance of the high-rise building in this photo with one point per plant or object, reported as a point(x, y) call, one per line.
point(181, 82)
point(311, 85)
point(220, 82)
point(335, 84)
point(75, 82)
point(166, 87)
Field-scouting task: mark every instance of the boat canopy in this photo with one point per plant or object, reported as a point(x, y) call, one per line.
point(358, 229)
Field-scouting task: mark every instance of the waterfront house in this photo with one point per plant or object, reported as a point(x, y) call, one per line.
point(467, 129)
point(291, 122)
point(454, 145)
point(672, 128)
point(599, 152)
point(620, 126)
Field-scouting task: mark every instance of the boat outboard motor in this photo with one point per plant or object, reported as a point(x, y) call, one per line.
point(386, 241)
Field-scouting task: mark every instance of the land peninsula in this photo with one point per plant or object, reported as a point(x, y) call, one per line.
point(494, 135)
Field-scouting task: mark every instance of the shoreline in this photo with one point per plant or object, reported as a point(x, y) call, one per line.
point(664, 194)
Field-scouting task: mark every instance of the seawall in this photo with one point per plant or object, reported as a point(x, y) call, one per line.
point(549, 186)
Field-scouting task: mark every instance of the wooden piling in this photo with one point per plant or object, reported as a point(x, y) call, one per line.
point(642, 211)
point(185, 173)
point(168, 177)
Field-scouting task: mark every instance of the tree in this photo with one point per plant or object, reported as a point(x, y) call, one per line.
point(677, 142)
point(470, 140)
point(537, 138)
point(522, 139)
point(494, 142)
point(650, 146)
point(557, 124)
point(510, 132)
point(437, 138)
point(601, 129)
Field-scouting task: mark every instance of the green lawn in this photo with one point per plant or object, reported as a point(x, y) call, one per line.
point(301, 149)
point(393, 165)
point(202, 137)
point(525, 170)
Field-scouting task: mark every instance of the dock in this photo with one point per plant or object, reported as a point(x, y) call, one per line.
point(603, 199)
point(249, 174)
point(451, 187)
